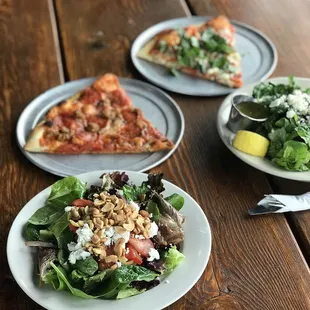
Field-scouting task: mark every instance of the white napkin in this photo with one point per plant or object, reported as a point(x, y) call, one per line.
point(282, 203)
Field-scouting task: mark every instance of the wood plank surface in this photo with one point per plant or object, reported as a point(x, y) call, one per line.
point(28, 66)
point(255, 262)
point(289, 36)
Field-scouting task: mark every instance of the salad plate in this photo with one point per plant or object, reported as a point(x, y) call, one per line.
point(194, 248)
point(259, 163)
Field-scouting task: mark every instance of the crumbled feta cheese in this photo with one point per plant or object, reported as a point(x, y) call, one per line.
point(166, 281)
point(84, 234)
point(151, 215)
point(154, 254)
point(68, 209)
point(77, 255)
point(134, 204)
point(125, 235)
point(278, 102)
point(127, 251)
point(140, 237)
point(109, 232)
point(119, 264)
point(290, 114)
point(213, 70)
point(76, 249)
point(153, 230)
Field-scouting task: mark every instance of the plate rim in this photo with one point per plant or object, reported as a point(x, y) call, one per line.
point(89, 80)
point(272, 46)
point(205, 259)
point(261, 166)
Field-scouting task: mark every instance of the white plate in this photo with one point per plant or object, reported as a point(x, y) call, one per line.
point(159, 108)
point(259, 163)
point(259, 59)
point(196, 248)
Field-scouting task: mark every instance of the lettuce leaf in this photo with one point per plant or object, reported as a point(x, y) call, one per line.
point(62, 276)
point(128, 292)
point(294, 156)
point(172, 259)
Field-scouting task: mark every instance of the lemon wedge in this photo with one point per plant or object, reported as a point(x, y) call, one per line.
point(251, 143)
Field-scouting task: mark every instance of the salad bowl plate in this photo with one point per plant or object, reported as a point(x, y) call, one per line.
point(227, 136)
point(196, 248)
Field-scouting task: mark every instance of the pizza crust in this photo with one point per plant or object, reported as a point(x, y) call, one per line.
point(33, 142)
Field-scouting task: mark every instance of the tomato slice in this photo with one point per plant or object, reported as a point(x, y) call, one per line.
point(142, 246)
point(72, 228)
point(133, 255)
point(82, 203)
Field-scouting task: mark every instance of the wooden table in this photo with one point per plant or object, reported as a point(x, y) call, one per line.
point(256, 263)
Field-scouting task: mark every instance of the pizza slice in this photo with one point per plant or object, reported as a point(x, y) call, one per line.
point(99, 119)
point(206, 51)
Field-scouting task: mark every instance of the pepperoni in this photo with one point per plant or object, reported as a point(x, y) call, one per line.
point(129, 115)
point(67, 149)
point(90, 96)
point(120, 99)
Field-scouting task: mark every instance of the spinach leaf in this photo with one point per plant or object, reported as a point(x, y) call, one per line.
point(60, 225)
point(152, 208)
point(134, 193)
point(46, 235)
point(127, 274)
point(62, 276)
point(128, 292)
point(176, 200)
point(87, 266)
point(63, 239)
point(32, 232)
point(46, 215)
point(65, 191)
point(93, 282)
point(77, 278)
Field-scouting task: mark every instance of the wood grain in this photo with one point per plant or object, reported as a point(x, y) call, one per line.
point(28, 66)
point(255, 262)
point(289, 38)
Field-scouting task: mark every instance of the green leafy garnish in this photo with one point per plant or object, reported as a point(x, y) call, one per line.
point(176, 200)
point(172, 259)
point(174, 72)
point(134, 193)
point(87, 266)
point(152, 208)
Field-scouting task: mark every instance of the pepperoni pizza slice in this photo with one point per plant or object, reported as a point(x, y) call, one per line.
point(99, 119)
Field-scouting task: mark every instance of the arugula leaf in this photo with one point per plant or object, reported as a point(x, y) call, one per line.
point(62, 276)
point(134, 193)
point(65, 191)
point(219, 62)
point(87, 266)
point(152, 208)
point(174, 72)
point(129, 292)
point(172, 259)
point(176, 200)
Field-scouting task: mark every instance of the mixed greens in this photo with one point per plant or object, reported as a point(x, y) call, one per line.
point(109, 241)
point(288, 126)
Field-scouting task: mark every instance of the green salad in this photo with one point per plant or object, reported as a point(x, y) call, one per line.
point(288, 126)
point(110, 241)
